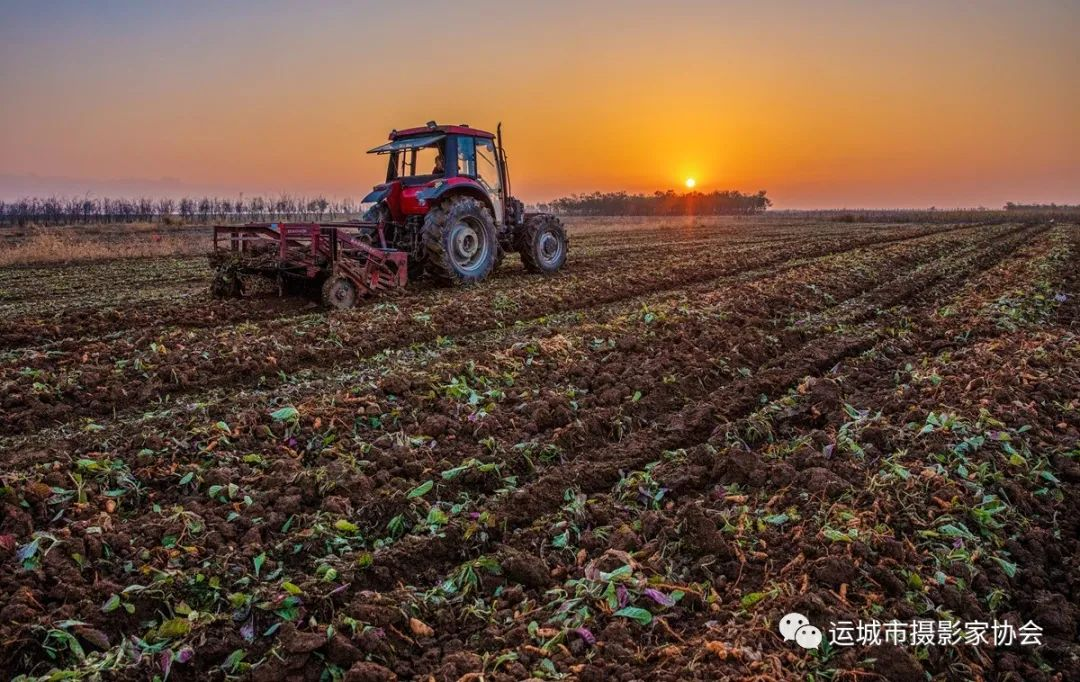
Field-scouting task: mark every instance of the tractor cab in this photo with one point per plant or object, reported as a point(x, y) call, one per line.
point(425, 164)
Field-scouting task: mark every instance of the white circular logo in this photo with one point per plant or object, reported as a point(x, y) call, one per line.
point(796, 627)
point(791, 623)
point(808, 637)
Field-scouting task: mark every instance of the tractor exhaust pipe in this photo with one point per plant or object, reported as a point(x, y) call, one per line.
point(504, 172)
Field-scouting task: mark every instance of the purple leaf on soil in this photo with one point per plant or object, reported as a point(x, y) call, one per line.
point(136, 647)
point(623, 595)
point(958, 543)
point(185, 655)
point(248, 631)
point(586, 636)
point(659, 597)
point(165, 661)
point(828, 449)
point(644, 496)
point(339, 589)
point(291, 442)
point(28, 550)
point(1061, 298)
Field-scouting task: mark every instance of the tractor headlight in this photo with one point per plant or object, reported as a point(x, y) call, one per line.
point(369, 211)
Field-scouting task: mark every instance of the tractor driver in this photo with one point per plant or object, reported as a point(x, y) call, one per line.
point(440, 164)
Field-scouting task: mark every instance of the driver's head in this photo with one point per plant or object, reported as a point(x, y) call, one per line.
point(439, 163)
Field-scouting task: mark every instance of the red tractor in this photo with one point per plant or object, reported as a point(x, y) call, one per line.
point(445, 212)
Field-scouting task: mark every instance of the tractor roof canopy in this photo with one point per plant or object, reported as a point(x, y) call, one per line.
point(407, 143)
point(445, 130)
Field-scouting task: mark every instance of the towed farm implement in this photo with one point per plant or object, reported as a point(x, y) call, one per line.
point(453, 224)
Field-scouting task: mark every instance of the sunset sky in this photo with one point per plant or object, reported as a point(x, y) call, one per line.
point(823, 104)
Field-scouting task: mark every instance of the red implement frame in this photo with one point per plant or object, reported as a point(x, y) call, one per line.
point(312, 250)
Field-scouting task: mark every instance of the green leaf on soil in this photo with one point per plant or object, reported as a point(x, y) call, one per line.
point(112, 604)
point(777, 519)
point(956, 531)
point(421, 489)
point(753, 598)
point(1007, 566)
point(171, 629)
point(642, 616)
point(285, 414)
point(620, 572)
point(560, 540)
point(233, 660)
point(835, 535)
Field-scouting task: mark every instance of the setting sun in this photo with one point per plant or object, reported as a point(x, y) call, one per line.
point(690, 182)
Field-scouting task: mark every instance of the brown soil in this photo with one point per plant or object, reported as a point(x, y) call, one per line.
point(632, 470)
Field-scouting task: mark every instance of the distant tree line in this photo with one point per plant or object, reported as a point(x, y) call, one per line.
point(84, 210)
point(1041, 207)
point(659, 203)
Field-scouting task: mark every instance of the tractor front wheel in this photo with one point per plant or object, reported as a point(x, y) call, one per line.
point(543, 244)
point(460, 244)
point(339, 292)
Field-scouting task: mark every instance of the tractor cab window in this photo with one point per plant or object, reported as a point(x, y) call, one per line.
point(410, 163)
point(414, 156)
point(466, 157)
point(487, 169)
point(427, 161)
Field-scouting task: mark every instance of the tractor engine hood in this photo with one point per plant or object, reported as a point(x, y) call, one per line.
point(415, 195)
point(409, 187)
point(377, 194)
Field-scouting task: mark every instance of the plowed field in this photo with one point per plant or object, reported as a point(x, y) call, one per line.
point(631, 470)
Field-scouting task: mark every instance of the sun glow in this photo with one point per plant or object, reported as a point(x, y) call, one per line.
point(690, 182)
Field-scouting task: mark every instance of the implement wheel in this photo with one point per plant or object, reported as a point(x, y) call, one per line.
point(226, 283)
point(339, 292)
point(459, 241)
point(543, 244)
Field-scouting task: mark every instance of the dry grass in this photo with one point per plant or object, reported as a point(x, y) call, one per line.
point(79, 243)
point(69, 245)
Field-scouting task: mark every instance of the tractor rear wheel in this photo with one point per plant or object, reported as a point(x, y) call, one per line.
point(459, 240)
point(339, 292)
point(543, 244)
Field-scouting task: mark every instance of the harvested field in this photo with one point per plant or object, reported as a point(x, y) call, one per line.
point(631, 470)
